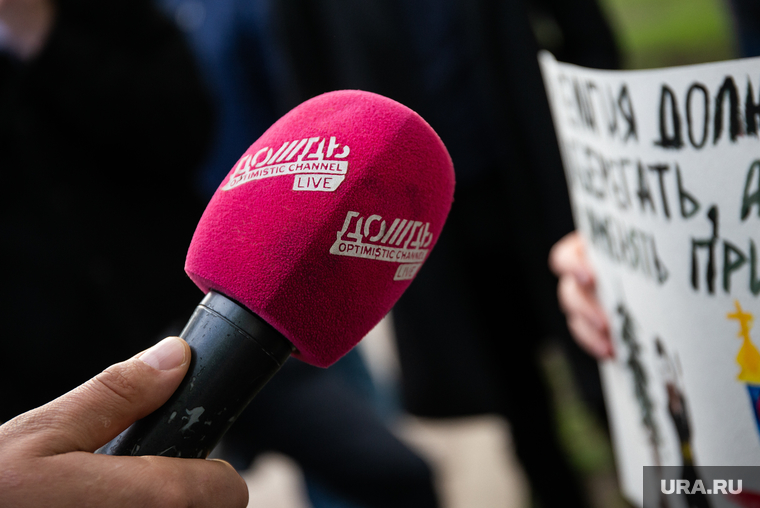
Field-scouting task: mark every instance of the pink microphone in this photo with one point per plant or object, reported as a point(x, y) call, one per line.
point(307, 243)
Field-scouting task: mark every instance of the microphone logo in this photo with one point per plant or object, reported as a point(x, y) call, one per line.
point(404, 241)
point(316, 167)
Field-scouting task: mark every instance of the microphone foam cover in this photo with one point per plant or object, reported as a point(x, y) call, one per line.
point(324, 221)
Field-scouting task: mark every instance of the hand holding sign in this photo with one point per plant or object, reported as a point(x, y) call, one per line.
point(577, 296)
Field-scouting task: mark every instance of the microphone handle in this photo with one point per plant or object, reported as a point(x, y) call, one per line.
point(234, 354)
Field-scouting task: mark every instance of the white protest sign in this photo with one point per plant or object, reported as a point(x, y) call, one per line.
point(663, 168)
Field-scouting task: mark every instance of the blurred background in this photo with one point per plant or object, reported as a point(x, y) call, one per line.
point(660, 33)
point(468, 456)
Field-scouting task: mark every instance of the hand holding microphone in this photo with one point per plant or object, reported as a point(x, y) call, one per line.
point(307, 244)
point(46, 459)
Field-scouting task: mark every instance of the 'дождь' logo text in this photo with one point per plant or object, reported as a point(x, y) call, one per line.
point(313, 167)
point(403, 241)
point(685, 487)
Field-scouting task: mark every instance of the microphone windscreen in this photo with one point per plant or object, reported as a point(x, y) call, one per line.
point(325, 220)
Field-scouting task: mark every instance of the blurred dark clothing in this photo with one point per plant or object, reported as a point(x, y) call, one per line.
point(324, 421)
point(99, 137)
point(231, 41)
point(470, 326)
point(746, 17)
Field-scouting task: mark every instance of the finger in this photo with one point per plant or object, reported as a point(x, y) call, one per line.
point(568, 256)
point(121, 482)
point(563, 254)
point(94, 413)
point(586, 318)
point(595, 342)
point(577, 300)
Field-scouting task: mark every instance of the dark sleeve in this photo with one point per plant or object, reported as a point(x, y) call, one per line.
point(746, 22)
point(340, 44)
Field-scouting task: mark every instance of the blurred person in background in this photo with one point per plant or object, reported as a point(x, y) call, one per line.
point(471, 329)
point(102, 121)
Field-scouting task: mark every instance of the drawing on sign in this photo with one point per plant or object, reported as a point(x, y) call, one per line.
point(748, 358)
point(640, 381)
point(679, 414)
point(663, 170)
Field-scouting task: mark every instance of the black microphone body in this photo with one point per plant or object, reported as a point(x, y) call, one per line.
point(234, 354)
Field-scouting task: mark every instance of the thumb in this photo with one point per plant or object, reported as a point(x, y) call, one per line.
point(92, 414)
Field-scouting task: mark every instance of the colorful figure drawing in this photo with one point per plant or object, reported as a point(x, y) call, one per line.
point(748, 358)
point(749, 361)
